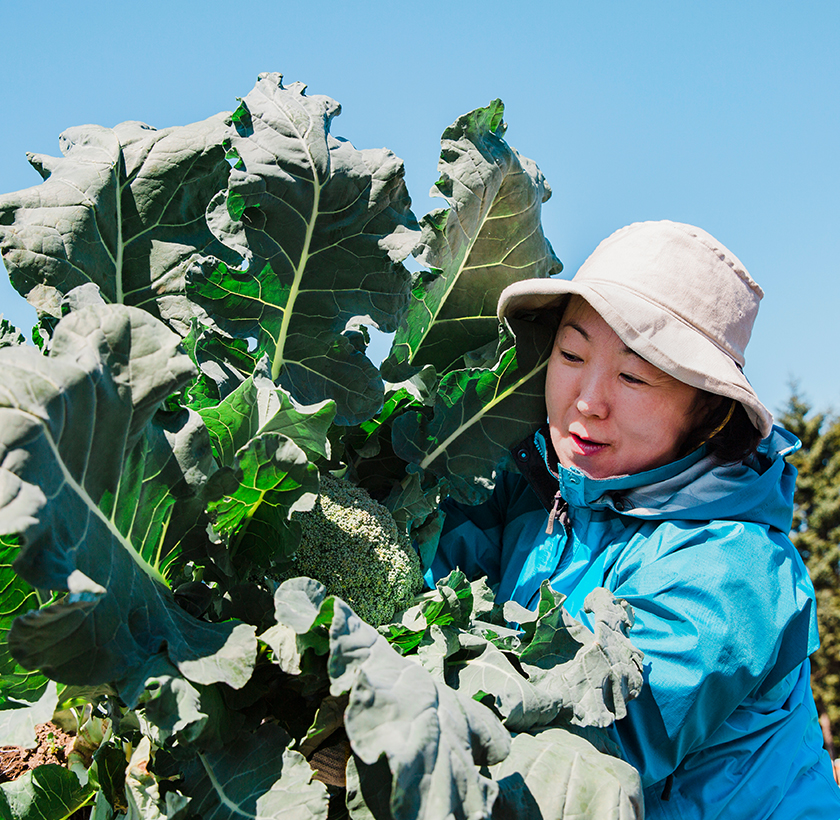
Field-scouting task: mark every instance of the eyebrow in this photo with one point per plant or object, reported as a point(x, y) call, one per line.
point(579, 329)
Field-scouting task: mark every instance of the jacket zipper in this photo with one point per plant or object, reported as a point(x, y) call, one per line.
point(560, 512)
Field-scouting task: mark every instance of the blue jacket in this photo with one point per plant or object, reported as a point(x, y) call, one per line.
point(725, 726)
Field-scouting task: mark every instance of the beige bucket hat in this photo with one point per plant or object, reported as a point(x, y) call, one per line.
point(674, 295)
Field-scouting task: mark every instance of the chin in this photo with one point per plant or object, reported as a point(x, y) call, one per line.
point(584, 465)
point(591, 472)
point(593, 468)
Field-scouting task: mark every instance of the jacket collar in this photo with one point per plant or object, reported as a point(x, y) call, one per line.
point(538, 463)
point(759, 489)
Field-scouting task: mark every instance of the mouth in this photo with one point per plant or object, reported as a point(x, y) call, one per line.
point(587, 446)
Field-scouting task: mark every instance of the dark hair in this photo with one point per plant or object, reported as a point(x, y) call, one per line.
point(736, 439)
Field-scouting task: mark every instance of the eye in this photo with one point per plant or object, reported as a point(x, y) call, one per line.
point(570, 357)
point(632, 379)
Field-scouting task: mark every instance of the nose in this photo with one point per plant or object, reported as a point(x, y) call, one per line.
point(593, 400)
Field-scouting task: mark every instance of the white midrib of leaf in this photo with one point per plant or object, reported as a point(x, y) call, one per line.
point(277, 364)
point(161, 539)
point(152, 572)
point(223, 798)
point(442, 447)
point(118, 262)
point(454, 280)
point(119, 252)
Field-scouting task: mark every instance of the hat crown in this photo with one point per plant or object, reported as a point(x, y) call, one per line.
point(684, 271)
point(674, 295)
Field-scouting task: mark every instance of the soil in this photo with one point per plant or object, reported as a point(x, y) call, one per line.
point(53, 747)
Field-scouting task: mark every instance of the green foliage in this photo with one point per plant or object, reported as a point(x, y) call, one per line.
point(468, 432)
point(259, 777)
point(122, 209)
point(107, 480)
point(422, 711)
point(49, 792)
point(352, 545)
point(816, 534)
point(324, 233)
point(490, 235)
point(9, 334)
point(203, 296)
point(604, 787)
point(18, 597)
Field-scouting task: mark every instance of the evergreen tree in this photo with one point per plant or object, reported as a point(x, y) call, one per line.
point(816, 534)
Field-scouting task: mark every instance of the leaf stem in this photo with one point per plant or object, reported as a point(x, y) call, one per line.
point(277, 364)
point(80, 491)
point(441, 448)
point(118, 262)
point(223, 798)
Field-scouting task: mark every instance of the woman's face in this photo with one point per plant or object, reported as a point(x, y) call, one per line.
point(610, 412)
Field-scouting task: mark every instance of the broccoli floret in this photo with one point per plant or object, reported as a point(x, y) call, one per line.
point(351, 544)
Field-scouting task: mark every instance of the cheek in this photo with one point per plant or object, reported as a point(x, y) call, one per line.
point(670, 423)
point(556, 399)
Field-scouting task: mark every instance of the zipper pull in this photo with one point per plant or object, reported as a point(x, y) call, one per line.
point(558, 510)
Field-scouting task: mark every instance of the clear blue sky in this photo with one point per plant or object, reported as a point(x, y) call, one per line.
point(724, 114)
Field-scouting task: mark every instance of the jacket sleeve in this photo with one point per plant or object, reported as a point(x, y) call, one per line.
point(723, 612)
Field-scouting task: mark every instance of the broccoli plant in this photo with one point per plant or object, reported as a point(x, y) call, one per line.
point(352, 544)
point(215, 507)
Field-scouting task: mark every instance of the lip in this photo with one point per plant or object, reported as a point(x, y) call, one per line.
point(587, 447)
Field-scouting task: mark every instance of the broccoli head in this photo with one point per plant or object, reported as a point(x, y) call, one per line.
point(353, 546)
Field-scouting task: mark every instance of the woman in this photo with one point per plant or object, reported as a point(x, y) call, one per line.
point(660, 476)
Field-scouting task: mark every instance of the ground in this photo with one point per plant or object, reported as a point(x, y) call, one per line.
point(53, 747)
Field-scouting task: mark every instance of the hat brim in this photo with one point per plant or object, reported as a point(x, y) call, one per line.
point(673, 346)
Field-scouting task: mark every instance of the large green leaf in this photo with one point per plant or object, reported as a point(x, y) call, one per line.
point(565, 673)
point(557, 774)
point(479, 415)
point(122, 208)
point(257, 777)
point(606, 671)
point(270, 439)
point(522, 704)
point(368, 794)
point(19, 718)
point(277, 479)
point(434, 738)
point(49, 792)
point(173, 706)
point(403, 723)
point(223, 362)
point(16, 597)
point(164, 488)
point(324, 228)
point(177, 712)
point(552, 671)
point(80, 436)
point(489, 237)
point(300, 639)
point(257, 407)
